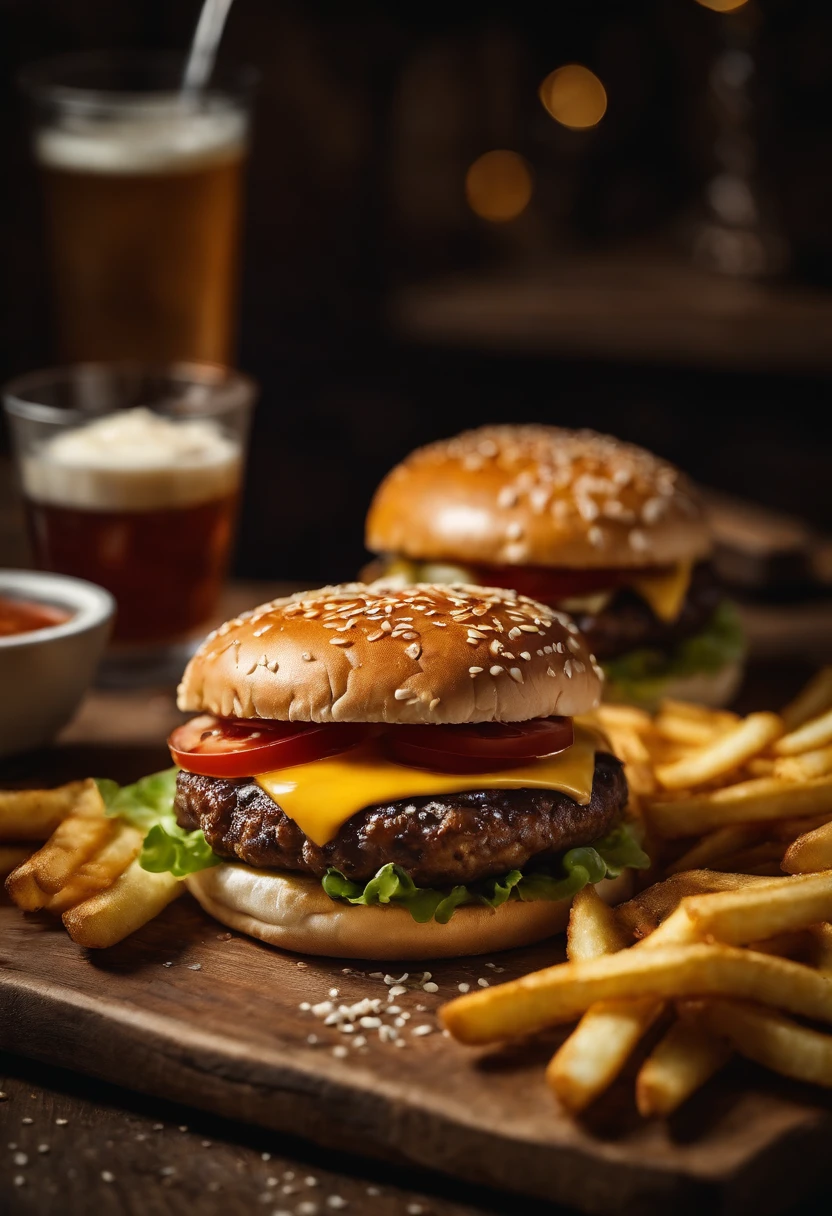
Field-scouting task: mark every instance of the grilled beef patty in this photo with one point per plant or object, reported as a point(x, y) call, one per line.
point(438, 841)
point(628, 623)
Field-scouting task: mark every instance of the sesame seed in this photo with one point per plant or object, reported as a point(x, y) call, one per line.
point(434, 703)
point(422, 1030)
point(516, 674)
point(464, 987)
point(306, 656)
point(336, 1201)
point(483, 982)
point(27, 1120)
point(549, 671)
point(514, 530)
point(43, 1148)
point(312, 1039)
point(474, 671)
point(496, 670)
point(514, 633)
point(413, 651)
point(106, 1176)
point(638, 541)
point(524, 654)
point(339, 1052)
point(61, 1122)
point(194, 966)
point(430, 987)
point(402, 694)
point(340, 642)
point(567, 667)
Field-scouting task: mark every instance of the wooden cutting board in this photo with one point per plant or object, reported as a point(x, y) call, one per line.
point(178, 1012)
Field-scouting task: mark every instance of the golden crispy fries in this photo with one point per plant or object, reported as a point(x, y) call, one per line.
point(814, 699)
point(559, 994)
point(682, 722)
point(757, 912)
point(34, 814)
point(822, 952)
point(761, 766)
point(815, 733)
point(625, 716)
point(681, 1063)
point(13, 855)
point(597, 1050)
point(69, 846)
point(100, 870)
point(727, 752)
point(111, 915)
point(715, 847)
point(593, 928)
point(696, 712)
point(810, 852)
point(756, 801)
point(771, 1039)
point(804, 767)
point(762, 858)
point(643, 914)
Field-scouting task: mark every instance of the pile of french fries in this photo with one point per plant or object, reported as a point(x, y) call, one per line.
point(731, 950)
point(87, 872)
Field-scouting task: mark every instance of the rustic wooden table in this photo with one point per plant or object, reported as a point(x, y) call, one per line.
point(73, 1145)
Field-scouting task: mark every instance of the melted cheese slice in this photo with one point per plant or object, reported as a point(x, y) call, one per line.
point(665, 593)
point(321, 796)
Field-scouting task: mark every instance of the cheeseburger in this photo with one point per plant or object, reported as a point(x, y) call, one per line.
point(584, 523)
point(395, 773)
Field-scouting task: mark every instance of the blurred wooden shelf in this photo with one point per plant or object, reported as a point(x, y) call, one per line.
point(635, 306)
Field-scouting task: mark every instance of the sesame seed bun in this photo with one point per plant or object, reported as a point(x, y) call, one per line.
point(295, 913)
point(541, 496)
point(374, 653)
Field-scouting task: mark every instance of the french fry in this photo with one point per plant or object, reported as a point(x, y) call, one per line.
point(804, 767)
point(771, 1039)
point(34, 814)
point(697, 712)
point(626, 716)
point(73, 841)
point(761, 766)
point(815, 733)
point(727, 752)
point(14, 855)
point(643, 914)
point(561, 993)
point(100, 870)
point(593, 928)
point(135, 898)
point(756, 801)
point(682, 728)
point(822, 952)
point(715, 846)
point(812, 700)
point(761, 858)
point(681, 1063)
point(758, 912)
point(810, 852)
point(599, 1047)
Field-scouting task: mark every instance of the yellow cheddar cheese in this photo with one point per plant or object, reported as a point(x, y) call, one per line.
point(321, 796)
point(665, 593)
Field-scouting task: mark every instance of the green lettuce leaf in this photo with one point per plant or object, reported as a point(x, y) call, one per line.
point(641, 675)
point(566, 875)
point(148, 804)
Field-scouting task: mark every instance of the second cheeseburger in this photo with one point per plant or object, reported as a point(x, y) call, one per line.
point(395, 773)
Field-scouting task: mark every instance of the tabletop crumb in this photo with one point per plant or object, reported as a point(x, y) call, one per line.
point(373, 1190)
point(194, 966)
point(43, 1148)
point(483, 983)
point(61, 1122)
point(265, 1156)
point(464, 987)
point(223, 937)
point(422, 1030)
point(4, 1097)
point(158, 1127)
point(26, 1119)
point(336, 1201)
point(183, 1127)
point(206, 1143)
point(310, 1181)
point(20, 1159)
point(414, 1209)
point(19, 1180)
point(106, 1176)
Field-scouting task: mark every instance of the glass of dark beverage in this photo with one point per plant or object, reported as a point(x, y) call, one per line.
point(131, 477)
point(142, 186)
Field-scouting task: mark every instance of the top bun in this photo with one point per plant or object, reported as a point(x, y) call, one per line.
point(374, 653)
point(537, 495)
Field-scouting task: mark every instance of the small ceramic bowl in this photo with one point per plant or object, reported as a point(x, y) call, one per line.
point(45, 673)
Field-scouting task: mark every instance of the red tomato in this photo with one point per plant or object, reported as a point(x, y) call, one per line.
point(233, 747)
point(478, 746)
point(553, 584)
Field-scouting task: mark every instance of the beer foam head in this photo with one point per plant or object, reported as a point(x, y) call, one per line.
point(156, 138)
point(134, 460)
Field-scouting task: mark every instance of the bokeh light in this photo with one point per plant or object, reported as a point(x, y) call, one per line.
point(498, 185)
point(722, 6)
point(574, 96)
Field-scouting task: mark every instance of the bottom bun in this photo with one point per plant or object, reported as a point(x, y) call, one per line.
point(295, 913)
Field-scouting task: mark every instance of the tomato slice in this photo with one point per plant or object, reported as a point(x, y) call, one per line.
point(235, 747)
point(553, 584)
point(477, 747)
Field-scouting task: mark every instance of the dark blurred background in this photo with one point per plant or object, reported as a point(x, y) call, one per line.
point(664, 274)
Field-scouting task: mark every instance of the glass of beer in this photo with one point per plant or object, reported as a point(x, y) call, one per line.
point(142, 189)
point(131, 477)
